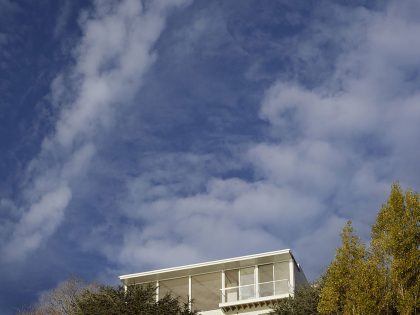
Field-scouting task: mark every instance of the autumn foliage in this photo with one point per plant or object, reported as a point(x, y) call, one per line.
point(385, 277)
point(382, 278)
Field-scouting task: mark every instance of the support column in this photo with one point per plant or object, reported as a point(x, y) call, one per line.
point(292, 275)
point(274, 286)
point(189, 292)
point(257, 291)
point(239, 284)
point(157, 290)
point(223, 291)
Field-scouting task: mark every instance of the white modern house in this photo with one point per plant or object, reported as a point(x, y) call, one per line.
point(243, 285)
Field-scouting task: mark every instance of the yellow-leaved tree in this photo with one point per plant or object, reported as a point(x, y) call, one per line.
point(385, 278)
point(335, 295)
point(396, 247)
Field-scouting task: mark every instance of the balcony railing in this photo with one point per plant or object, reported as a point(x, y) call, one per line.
point(255, 291)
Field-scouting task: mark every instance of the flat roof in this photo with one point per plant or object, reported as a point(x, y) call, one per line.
point(206, 267)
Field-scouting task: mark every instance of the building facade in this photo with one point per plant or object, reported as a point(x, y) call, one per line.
point(243, 285)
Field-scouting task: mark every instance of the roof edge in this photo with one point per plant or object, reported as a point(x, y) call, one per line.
point(203, 264)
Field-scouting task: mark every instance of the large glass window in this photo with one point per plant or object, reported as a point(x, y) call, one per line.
point(281, 277)
point(175, 287)
point(231, 292)
point(247, 283)
point(239, 284)
point(205, 291)
point(266, 280)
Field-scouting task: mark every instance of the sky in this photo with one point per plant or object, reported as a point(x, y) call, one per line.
point(137, 135)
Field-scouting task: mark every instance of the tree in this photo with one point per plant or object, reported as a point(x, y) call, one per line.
point(136, 300)
point(304, 301)
point(368, 292)
point(396, 248)
point(385, 279)
point(335, 297)
point(60, 300)
point(74, 297)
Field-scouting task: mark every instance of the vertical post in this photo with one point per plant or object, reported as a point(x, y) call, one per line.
point(223, 292)
point(189, 292)
point(239, 284)
point(157, 290)
point(125, 288)
point(274, 286)
point(257, 286)
point(292, 276)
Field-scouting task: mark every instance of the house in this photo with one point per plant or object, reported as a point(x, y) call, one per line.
point(242, 285)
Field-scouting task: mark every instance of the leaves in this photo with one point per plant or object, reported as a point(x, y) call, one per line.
point(335, 297)
point(385, 278)
point(137, 300)
point(304, 302)
point(75, 298)
point(396, 245)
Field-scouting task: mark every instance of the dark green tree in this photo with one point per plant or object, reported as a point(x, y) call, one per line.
point(304, 302)
point(73, 297)
point(136, 300)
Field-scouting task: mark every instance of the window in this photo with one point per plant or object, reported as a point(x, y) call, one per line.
point(266, 280)
point(231, 292)
point(247, 283)
point(281, 277)
point(205, 291)
point(176, 287)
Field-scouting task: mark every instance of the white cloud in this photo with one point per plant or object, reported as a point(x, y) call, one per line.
point(331, 154)
point(38, 223)
point(302, 166)
point(334, 151)
point(316, 247)
point(114, 53)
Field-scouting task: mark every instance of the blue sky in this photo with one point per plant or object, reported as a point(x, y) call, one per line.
point(142, 134)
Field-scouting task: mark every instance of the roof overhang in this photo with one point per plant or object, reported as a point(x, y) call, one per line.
point(207, 267)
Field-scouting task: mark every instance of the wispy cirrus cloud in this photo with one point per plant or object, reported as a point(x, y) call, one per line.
point(221, 129)
point(113, 55)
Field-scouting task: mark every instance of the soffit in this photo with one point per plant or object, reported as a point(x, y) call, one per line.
point(206, 267)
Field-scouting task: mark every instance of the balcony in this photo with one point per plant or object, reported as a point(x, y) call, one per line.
point(254, 294)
